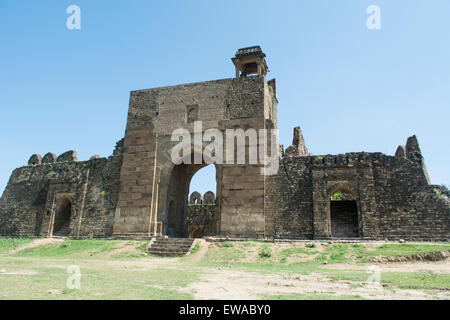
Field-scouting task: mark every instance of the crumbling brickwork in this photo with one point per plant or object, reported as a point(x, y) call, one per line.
point(394, 199)
point(29, 202)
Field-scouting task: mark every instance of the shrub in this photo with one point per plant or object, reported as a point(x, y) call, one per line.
point(265, 252)
point(310, 245)
point(437, 191)
point(337, 196)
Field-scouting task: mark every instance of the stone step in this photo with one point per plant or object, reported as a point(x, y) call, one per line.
point(186, 249)
point(173, 243)
point(170, 247)
point(162, 240)
point(159, 249)
point(169, 254)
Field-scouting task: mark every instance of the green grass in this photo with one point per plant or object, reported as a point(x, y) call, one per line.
point(227, 252)
point(70, 248)
point(9, 244)
point(405, 280)
point(103, 275)
point(82, 248)
point(97, 282)
point(110, 272)
point(405, 249)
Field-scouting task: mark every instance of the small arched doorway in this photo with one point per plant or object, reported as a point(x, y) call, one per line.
point(61, 223)
point(344, 214)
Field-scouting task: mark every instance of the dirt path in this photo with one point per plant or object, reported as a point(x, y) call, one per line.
point(37, 243)
point(234, 285)
point(200, 253)
point(419, 266)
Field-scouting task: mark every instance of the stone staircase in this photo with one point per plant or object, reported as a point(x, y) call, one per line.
point(170, 247)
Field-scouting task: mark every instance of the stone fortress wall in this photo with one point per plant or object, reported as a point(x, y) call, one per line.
point(139, 192)
point(37, 192)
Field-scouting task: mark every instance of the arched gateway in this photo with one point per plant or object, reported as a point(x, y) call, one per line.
point(154, 189)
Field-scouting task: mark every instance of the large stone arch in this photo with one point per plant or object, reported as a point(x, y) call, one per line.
point(176, 191)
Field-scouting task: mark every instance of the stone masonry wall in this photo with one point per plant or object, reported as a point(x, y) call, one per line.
point(29, 200)
point(392, 193)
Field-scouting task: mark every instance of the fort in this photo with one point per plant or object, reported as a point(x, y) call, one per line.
point(138, 192)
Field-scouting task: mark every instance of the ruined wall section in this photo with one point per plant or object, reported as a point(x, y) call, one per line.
point(28, 203)
point(408, 207)
point(132, 214)
point(393, 197)
point(201, 220)
point(289, 201)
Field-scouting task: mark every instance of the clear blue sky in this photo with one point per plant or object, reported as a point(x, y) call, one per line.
point(349, 88)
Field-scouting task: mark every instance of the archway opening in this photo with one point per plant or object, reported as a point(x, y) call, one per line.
point(63, 213)
point(203, 181)
point(344, 219)
point(179, 191)
point(202, 208)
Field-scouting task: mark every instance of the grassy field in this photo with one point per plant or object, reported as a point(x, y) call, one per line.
point(119, 269)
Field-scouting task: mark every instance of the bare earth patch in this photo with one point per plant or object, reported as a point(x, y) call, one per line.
point(236, 285)
point(419, 266)
point(37, 243)
point(128, 248)
point(18, 272)
point(201, 252)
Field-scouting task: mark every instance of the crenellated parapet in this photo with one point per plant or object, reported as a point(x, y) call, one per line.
point(68, 156)
point(196, 198)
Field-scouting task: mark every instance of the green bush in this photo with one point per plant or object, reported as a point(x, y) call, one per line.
point(337, 196)
point(437, 191)
point(265, 252)
point(310, 245)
